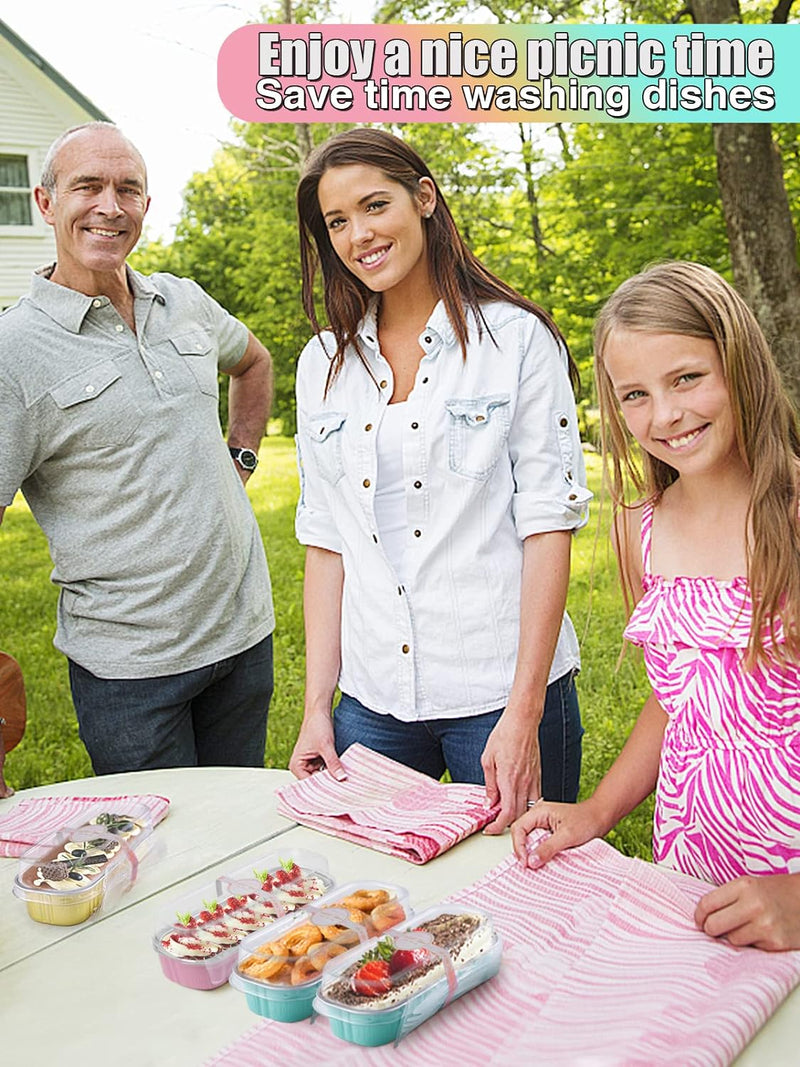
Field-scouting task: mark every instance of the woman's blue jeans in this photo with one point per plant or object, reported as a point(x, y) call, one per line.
point(457, 744)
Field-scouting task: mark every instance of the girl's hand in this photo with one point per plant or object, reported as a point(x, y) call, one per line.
point(569, 825)
point(315, 750)
point(758, 910)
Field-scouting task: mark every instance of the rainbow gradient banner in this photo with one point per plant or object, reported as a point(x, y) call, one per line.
point(553, 73)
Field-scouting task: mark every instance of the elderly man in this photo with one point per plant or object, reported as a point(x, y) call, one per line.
point(109, 425)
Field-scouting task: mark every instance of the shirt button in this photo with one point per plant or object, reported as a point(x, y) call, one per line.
point(366, 483)
point(119, 327)
point(158, 375)
point(418, 533)
point(90, 389)
point(417, 485)
point(428, 339)
point(414, 425)
point(383, 383)
point(406, 649)
point(572, 496)
point(480, 418)
point(97, 303)
point(368, 427)
point(563, 422)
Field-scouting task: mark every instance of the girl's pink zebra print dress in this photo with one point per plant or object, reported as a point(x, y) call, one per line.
point(728, 795)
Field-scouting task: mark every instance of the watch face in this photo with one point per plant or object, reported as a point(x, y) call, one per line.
point(248, 459)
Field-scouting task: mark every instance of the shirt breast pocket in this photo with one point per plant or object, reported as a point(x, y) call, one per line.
point(196, 349)
point(477, 433)
point(325, 430)
point(96, 407)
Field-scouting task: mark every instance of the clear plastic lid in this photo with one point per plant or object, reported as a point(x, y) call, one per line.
point(221, 914)
point(106, 846)
point(294, 950)
point(394, 968)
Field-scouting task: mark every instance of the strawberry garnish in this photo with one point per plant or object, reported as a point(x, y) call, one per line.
point(406, 959)
point(288, 872)
point(372, 979)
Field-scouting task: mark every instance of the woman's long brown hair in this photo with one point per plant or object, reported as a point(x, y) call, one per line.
point(459, 279)
point(694, 301)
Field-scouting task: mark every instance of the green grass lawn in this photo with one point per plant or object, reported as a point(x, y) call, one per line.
point(51, 751)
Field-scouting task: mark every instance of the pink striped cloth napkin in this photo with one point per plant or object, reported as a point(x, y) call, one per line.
point(387, 806)
point(35, 817)
point(602, 966)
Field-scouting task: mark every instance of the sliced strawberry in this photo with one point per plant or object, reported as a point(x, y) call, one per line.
point(406, 959)
point(187, 919)
point(372, 979)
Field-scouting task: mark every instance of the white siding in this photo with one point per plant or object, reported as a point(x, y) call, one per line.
point(33, 112)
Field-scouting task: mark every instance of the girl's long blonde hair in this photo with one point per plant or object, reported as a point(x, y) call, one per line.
point(693, 300)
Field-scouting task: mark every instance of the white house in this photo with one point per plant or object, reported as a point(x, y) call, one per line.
point(36, 105)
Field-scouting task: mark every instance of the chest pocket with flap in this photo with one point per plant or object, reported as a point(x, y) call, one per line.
point(96, 407)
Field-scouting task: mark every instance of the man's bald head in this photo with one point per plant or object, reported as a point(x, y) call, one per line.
point(50, 166)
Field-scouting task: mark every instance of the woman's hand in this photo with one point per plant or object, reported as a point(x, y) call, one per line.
point(758, 910)
point(511, 766)
point(315, 750)
point(569, 825)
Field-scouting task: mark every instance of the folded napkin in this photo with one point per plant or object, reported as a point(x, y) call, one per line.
point(387, 806)
point(602, 966)
point(31, 819)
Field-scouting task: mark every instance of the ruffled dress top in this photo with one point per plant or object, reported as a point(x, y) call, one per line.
point(728, 794)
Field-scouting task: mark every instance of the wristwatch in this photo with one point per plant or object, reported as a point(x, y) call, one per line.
point(245, 457)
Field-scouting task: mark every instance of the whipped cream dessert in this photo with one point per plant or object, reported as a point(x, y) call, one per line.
point(79, 864)
point(392, 972)
point(221, 925)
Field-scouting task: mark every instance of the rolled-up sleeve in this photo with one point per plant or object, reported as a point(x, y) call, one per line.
point(544, 443)
point(314, 524)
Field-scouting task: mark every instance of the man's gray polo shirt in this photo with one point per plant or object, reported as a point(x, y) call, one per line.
point(115, 441)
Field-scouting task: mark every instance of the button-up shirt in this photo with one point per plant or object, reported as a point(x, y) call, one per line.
point(491, 455)
point(115, 439)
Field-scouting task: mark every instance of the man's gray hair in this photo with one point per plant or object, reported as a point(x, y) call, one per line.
point(48, 178)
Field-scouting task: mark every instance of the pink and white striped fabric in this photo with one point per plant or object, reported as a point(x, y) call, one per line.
point(728, 797)
point(34, 818)
point(602, 967)
point(387, 806)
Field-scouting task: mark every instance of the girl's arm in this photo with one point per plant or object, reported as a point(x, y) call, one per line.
point(632, 777)
point(763, 911)
point(322, 608)
point(510, 759)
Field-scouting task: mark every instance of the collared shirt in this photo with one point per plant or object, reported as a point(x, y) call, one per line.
point(115, 440)
point(491, 455)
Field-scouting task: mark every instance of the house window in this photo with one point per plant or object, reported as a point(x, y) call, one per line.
point(15, 191)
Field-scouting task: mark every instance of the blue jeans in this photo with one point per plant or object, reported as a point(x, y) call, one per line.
point(458, 744)
point(213, 716)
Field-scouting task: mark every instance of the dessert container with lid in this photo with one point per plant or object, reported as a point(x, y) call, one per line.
point(198, 937)
point(380, 991)
point(279, 969)
point(71, 873)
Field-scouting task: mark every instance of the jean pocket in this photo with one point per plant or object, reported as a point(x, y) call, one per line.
point(96, 408)
point(478, 432)
point(197, 352)
point(325, 431)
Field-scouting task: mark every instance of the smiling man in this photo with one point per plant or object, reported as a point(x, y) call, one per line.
point(109, 425)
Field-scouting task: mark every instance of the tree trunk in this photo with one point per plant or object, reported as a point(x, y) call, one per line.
point(762, 238)
point(761, 234)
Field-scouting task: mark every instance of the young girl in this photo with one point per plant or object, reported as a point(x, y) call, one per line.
point(711, 558)
point(442, 477)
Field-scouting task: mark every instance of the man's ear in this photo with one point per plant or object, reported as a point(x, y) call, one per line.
point(44, 202)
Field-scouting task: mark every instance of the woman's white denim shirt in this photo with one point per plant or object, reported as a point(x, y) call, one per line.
point(491, 455)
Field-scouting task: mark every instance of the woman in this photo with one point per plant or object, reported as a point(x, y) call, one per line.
point(441, 477)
